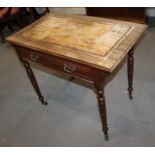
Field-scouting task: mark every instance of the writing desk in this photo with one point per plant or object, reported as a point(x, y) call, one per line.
point(84, 47)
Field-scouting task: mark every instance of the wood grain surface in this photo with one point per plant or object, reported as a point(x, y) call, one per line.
point(98, 42)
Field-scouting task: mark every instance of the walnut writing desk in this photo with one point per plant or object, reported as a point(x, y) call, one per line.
point(84, 47)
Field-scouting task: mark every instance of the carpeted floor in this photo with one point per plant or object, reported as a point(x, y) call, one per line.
point(72, 118)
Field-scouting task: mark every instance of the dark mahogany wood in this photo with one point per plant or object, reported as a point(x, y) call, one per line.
point(99, 87)
point(130, 72)
point(33, 81)
point(72, 68)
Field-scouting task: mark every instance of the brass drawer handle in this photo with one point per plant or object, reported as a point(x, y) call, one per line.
point(34, 57)
point(69, 68)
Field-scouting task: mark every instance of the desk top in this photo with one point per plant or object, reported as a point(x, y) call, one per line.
point(99, 42)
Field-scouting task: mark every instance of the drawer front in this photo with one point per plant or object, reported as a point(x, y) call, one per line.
point(56, 63)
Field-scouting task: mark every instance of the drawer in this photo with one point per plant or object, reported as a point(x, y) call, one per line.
point(56, 63)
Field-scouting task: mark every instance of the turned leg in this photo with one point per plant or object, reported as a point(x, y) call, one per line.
point(102, 107)
point(130, 72)
point(33, 81)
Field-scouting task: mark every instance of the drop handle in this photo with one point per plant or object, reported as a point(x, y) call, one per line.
point(34, 57)
point(69, 68)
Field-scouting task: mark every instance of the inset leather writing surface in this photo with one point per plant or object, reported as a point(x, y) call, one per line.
point(92, 37)
point(96, 41)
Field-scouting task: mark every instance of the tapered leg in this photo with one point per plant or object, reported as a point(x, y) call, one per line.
point(130, 72)
point(102, 107)
point(33, 81)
